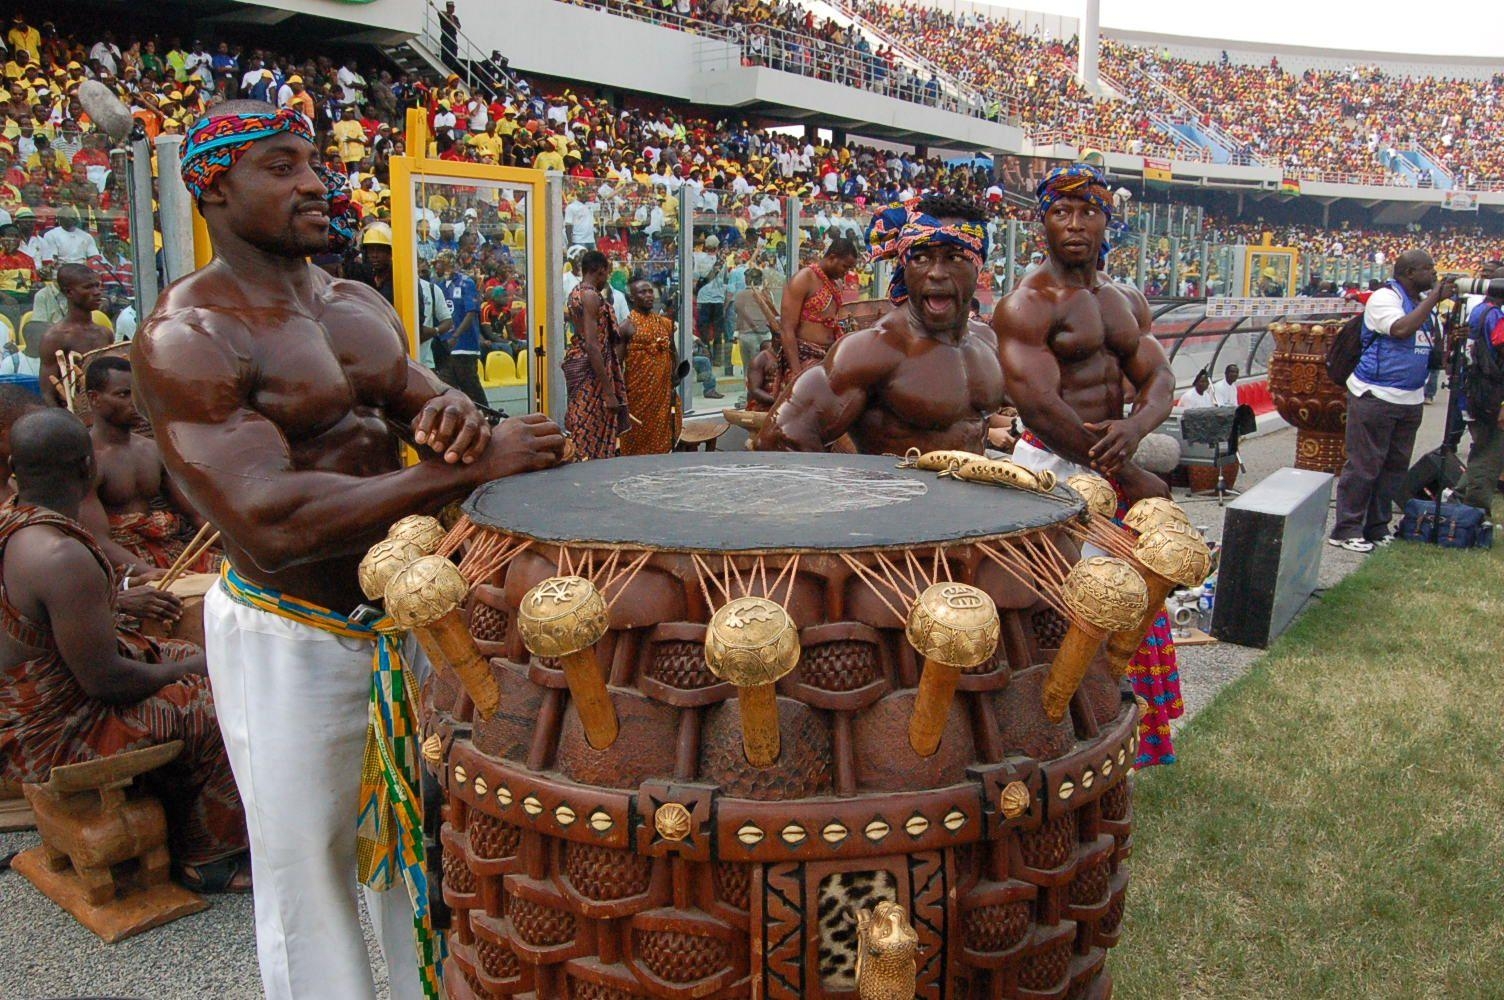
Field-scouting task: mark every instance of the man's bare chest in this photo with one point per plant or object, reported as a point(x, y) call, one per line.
point(1085, 324)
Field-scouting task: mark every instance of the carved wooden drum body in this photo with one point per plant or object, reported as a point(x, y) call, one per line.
point(661, 862)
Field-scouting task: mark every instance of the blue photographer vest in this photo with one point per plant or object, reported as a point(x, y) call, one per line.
point(1392, 363)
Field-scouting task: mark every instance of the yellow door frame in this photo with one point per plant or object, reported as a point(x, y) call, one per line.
point(406, 172)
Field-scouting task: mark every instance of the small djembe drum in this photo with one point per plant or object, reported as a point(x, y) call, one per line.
point(744, 698)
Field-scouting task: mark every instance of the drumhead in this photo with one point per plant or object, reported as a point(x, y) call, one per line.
point(758, 502)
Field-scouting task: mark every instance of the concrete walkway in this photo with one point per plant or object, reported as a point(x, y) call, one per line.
point(212, 954)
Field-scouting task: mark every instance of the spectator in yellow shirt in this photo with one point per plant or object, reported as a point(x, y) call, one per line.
point(487, 143)
point(46, 156)
point(22, 37)
point(351, 136)
point(549, 159)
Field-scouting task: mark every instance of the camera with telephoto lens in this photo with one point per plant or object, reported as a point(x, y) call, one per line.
point(1479, 286)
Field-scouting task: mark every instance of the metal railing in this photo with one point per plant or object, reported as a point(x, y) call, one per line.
point(961, 88)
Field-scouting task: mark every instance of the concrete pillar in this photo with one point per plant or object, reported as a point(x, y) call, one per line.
point(175, 209)
point(1090, 41)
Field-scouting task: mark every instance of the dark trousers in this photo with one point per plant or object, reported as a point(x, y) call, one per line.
point(1380, 438)
point(461, 371)
point(1485, 460)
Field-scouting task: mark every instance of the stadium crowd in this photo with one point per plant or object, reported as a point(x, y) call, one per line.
point(626, 162)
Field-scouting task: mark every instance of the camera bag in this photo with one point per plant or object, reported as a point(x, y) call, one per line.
point(1458, 527)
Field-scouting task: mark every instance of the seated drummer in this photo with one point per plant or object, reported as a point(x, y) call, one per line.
point(148, 515)
point(136, 600)
point(75, 687)
point(927, 376)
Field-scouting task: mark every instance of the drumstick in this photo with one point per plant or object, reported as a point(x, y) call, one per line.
point(206, 537)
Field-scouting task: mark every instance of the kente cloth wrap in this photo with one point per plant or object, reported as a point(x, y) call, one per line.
point(1077, 180)
point(920, 230)
point(47, 720)
point(216, 142)
point(389, 826)
point(1154, 671)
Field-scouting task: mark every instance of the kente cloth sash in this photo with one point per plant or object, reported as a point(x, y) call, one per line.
point(389, 824)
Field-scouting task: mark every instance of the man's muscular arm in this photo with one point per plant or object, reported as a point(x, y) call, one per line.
point(1148, 370)
point(442, 418)
point(829, 398)
point(1031, 376)
point(48, 370)
point(235, 465)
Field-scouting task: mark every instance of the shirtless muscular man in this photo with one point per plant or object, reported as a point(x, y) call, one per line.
point(927, 375)
point(1070, 336)
point(280, 396)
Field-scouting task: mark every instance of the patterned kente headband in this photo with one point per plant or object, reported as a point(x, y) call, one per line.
point(215, 143)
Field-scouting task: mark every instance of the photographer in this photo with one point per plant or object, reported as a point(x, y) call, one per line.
point(1385, 399)
point(1483, 387)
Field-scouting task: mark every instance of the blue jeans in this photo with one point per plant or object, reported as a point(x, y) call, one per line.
point(704, 372)
point(1433, 381)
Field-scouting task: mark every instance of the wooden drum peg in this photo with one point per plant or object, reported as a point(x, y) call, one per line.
point(564, 617)
point(1172, 555)
point(1101, 595)
point(953, 626)
point(752, 643)
point(426, 596)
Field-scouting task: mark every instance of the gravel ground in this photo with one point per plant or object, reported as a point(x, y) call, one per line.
point(213, 954)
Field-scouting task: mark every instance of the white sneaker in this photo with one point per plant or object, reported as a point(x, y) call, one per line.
point(1351, 544)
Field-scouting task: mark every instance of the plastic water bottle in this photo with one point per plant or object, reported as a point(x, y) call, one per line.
point(1207, 602)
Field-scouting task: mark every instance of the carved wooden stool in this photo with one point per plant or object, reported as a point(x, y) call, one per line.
point(701, 434)
point(104, 845)
point(15, 812)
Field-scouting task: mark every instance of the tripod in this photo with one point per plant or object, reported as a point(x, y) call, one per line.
point(1451, 436)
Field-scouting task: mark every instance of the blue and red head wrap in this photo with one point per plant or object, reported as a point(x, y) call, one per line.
point(900, 229)
point(215, 143)
point(1077, 180)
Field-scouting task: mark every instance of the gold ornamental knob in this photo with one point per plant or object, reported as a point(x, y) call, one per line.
point(426, 596)
point(1102, 595)
point(1171, 553)
point(1098, 493)
point(954, 626)
point(1176, 552)
point(752, 643)
point(383, 561)
point(564, 617)
point(425, 590)
point(1151, 512)
point(421, 530)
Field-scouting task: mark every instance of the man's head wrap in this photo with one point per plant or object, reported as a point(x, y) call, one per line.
point(215, 143)
point(900, 229)
point(1077, 180)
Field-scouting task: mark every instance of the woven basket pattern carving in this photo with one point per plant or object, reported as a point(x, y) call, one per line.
point(682, 958)
point(606, 873)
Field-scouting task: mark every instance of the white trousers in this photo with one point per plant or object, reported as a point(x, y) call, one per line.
point(1040, 460)
point(292, 703)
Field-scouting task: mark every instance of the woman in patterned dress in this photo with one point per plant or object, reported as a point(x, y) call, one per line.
point(597, 412)
point(650, 376)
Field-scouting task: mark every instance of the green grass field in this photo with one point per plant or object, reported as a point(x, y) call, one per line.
point(1335, 826)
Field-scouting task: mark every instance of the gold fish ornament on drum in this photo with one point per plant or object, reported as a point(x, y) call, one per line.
point(426, 596)
point(953, 626)
point(752, 642)
point(935, 461)
point(564, 617)
point(1002, 472)
point(1101, 595)
point(1171, 554)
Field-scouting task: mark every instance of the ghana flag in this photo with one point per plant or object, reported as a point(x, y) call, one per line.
point(1289, 186)
point(1157, 173)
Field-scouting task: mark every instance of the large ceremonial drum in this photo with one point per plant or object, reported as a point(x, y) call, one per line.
point(1306, 397)
point(626, 845)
